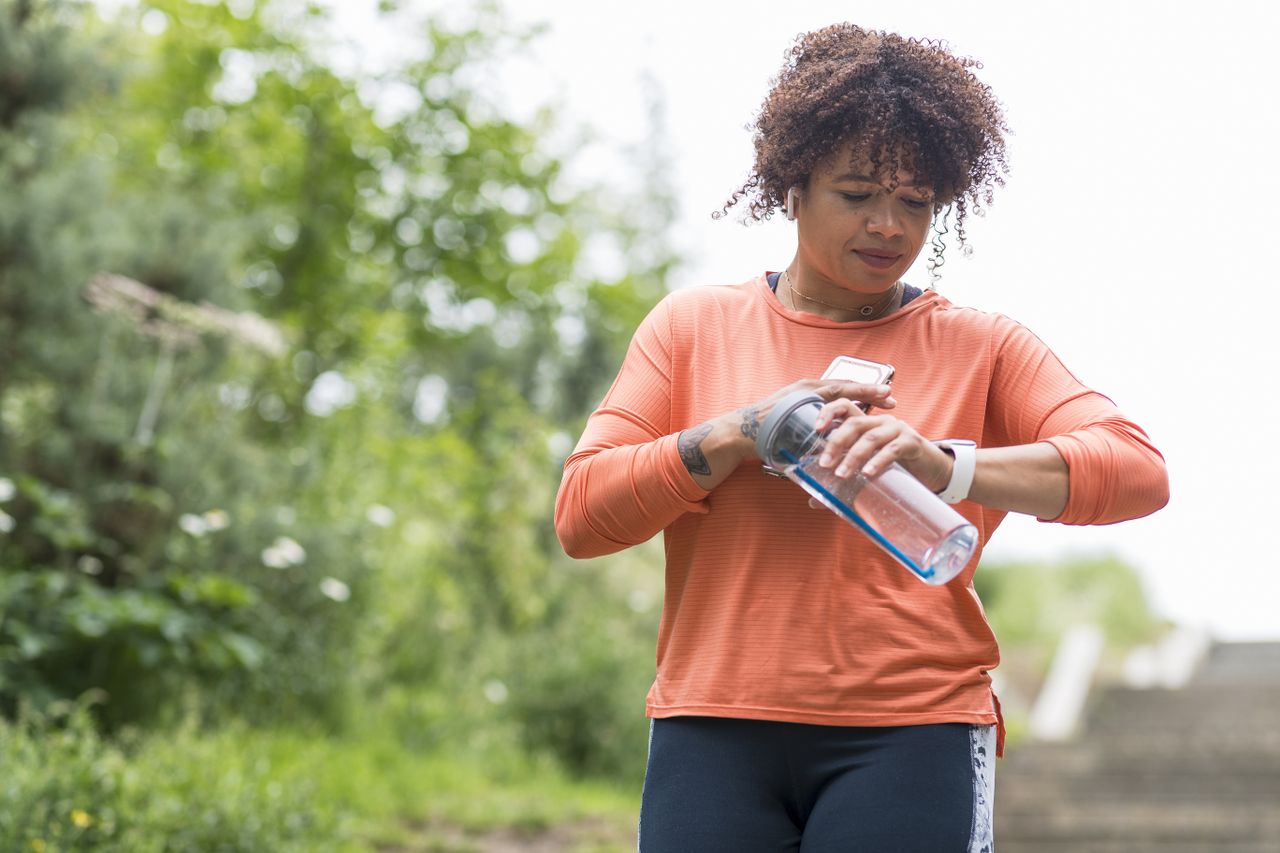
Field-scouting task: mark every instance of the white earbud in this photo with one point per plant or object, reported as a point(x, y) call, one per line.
point(789, 209)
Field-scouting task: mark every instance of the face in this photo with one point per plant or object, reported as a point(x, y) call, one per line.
point(853, 230)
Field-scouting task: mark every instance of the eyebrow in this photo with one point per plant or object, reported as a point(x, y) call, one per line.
point(866, 179)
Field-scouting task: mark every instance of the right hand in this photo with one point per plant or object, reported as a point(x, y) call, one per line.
point(750, 417)
point(712, 450)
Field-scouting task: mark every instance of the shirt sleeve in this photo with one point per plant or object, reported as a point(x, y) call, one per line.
point(625, 480)
point(1114, 471)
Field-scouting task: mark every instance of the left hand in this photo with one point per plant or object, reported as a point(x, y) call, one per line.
point(870, 443)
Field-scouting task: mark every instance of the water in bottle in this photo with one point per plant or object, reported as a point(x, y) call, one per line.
point(896, 510)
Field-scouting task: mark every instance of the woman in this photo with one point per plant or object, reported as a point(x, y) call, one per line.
point(810, 694)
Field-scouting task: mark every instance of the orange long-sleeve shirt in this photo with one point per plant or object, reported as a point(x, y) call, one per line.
point(774, 610)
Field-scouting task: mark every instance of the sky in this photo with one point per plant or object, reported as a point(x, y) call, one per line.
point(1133, 236)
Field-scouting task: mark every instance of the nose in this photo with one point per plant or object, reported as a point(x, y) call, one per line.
point(883, 219)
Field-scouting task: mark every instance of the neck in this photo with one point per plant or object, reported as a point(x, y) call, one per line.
point(836, 303)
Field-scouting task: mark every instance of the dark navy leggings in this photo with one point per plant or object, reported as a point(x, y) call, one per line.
point(750, 786)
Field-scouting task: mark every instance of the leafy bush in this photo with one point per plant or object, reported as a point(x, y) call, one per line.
point(579, 695)
point(578, 679)
point(62, 632)
point(65, 787)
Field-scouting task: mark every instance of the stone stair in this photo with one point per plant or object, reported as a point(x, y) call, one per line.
point(1192, 770)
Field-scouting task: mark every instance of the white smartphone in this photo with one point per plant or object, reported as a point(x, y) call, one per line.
point(859, 370)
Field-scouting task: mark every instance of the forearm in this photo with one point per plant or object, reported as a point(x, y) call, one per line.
point(1026, 478)
point(712, 450)
point(613, 498)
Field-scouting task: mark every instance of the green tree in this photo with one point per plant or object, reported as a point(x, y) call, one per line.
point(372, 506)
point(121, 461)
point(1031, 604)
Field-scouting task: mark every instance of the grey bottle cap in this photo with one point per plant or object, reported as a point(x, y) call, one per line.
point(777, 416)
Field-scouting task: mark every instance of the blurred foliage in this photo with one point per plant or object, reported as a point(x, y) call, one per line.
point(241, 788)
point(1030, 604)
point(68, 788)
point(190, 518)
point(63, 632)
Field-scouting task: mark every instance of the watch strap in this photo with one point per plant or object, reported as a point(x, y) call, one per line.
point(965, 454)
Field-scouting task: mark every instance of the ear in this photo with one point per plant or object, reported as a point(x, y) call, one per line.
point(789, 209)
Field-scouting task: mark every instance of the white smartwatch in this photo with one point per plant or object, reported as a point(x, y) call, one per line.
point(965, 454)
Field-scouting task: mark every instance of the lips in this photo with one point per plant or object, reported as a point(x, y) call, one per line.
point(877, 260)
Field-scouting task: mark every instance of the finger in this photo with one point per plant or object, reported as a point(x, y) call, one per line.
point(877, 395)
point(868, 445)
point(838, 409)
point(874, 394)
point(884, 457)
point(842, 440)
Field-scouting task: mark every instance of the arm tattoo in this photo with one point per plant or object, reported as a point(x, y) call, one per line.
point(690, 445)
point(750, 422)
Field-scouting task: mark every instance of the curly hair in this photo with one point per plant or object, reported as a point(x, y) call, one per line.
point(906, 103)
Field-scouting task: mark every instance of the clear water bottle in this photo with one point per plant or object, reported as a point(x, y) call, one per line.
point(896, 510)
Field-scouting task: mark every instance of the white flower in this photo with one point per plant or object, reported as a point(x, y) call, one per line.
point(495, 691)
point(6, 522)
point(335, 589)
point(331, 391)
point(193, 524)
point(283, 553)
point(7, 489)
point(216, 519)
point(381, 516)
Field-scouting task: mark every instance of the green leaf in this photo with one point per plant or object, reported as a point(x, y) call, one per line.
point(247, 651)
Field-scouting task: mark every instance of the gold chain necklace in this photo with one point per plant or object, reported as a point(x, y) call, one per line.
point(868, 312)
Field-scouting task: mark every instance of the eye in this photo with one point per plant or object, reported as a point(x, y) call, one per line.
point(855, 196)
point(915, 203)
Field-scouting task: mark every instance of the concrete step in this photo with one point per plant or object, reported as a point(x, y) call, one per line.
point(1141, 788)
point(1221, 753)
point(1241, 663)
point(1197, 706)
point(1049, 845)
point(1194, 770)
point(1121, 820)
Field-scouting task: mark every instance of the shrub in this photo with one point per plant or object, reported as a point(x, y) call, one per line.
point(578, 681)
point(65, 787)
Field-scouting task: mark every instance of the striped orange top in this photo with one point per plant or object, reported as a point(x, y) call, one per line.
point(777, 611)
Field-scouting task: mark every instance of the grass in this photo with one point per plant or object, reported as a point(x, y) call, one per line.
point(243, 788)
point(389, 795)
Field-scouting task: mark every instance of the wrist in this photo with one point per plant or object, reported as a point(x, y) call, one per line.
point(742, 427)
point(964, 459)
point(942, 473)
